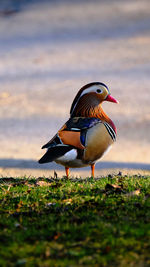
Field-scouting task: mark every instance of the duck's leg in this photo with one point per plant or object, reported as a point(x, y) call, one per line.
point(67, 172)
point(92, 169)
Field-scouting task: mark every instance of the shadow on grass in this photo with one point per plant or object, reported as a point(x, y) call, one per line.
point(32, 164)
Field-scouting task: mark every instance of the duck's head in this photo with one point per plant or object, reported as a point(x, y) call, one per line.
point(89, 99)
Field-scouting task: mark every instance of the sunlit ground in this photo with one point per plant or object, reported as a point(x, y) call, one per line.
point(48, 51)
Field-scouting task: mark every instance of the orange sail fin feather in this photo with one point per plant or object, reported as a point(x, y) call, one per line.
point(87, 135)
point(71, 138)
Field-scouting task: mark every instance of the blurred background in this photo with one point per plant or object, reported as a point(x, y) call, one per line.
point(48, 50)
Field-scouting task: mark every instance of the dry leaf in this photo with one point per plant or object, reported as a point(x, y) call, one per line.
point(112, 187)
point(133, 193)
point(57, 236)
point(50, 204)
point(29, 190)
point(42, 183)
point(47, 252)
point(67, 201)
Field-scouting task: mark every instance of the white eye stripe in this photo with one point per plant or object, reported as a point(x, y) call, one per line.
point(92, 89)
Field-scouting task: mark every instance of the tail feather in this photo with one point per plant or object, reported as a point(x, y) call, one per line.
point(53, 153)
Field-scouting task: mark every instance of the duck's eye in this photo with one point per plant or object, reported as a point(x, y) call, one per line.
point(99, 91)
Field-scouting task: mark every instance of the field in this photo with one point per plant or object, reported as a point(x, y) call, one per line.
point(75, 222)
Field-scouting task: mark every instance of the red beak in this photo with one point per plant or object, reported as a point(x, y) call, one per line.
point(111, 99)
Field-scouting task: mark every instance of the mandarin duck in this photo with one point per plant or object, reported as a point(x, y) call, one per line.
point(88, 133)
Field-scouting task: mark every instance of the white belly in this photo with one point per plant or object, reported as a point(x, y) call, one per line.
point(70, 160)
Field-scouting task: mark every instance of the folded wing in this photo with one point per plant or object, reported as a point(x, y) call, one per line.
point(71, 135)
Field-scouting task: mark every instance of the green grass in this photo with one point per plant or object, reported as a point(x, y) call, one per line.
point(47, 222)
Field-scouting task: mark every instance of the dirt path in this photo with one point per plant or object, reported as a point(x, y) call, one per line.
point(49, 50)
